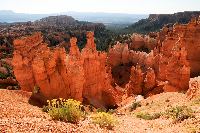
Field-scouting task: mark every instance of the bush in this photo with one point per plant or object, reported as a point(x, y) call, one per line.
point(179, 113)
point(135, 105)
point(3, 76)
point(65, 110)
point(104, 120)
point(147, 116)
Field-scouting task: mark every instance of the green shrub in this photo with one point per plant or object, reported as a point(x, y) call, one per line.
point(147, 116)
point(104, 120)
point(135, 105)
point(3, 76)
point(179, 113)
point(58, 113)
point(65, 110)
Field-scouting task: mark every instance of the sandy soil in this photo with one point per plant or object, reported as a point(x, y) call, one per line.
point(17, 115)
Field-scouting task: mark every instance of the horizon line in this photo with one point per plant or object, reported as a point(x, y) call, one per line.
point(97, 12)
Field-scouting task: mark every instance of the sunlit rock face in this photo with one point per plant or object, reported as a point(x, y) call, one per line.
point(194, 88)
point(144, 43)
point(167, 68)
point(190, 39)
point(81, 76)
point(35, 64)
point(97, 87)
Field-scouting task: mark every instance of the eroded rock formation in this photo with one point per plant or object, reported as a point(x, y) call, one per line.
point(81, 76)
point(97, 86)
point(135, 84)
point(168, 67)
point(100, 78)
point(194, 89)
point(144, 43)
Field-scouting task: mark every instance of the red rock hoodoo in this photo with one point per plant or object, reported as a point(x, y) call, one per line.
point(168, 67)
point(143, 43)
point(81, 76)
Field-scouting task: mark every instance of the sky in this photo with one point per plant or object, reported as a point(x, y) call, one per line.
point(111, 6)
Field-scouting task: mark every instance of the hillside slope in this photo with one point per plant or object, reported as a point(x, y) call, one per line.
point(17, 115)
point(156, 21)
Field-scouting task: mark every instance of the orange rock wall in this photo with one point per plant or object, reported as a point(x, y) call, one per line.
point(190, 38)
point(194, 89)
point(141, 42)
point(97, 87)
point(81, 76)
point(35, 64)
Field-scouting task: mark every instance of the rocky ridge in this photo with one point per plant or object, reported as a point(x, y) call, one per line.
point(156, 21)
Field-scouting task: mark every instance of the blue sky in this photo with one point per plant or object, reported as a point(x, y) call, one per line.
point(114, 6)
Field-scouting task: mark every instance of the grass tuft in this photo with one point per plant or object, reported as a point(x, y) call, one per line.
point(147, 116)
point(135, 105)
point(179, 113)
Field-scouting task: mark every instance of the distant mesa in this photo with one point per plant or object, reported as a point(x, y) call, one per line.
point(56, 20)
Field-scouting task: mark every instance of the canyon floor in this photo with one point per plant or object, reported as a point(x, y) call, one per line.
point(17, 115)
